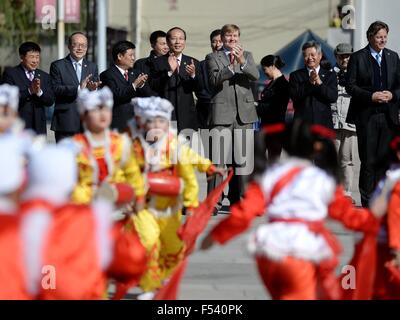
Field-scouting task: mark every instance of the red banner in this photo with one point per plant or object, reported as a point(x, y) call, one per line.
point(44, 8)
point(72, 11)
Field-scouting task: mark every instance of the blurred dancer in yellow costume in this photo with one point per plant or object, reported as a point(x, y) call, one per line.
point(172, 185)
point(104, 156)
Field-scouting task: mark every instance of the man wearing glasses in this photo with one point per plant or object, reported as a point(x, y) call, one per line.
point(68, 76)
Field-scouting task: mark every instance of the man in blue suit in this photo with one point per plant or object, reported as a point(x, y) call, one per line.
point(68, 76)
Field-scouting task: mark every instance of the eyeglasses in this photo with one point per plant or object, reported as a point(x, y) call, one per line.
point(79, 46)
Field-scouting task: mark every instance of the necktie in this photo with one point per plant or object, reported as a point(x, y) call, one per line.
point(179, 64)
point(31, 75)
point(126, 76)
point(378, 58)
point(231, 58)
point(78, 70)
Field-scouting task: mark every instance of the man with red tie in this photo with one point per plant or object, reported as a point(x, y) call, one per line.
point(176, 76)
point(34, 85)
point(124, 82)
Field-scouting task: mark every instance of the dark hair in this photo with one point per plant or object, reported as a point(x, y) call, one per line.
point(262, 141)
point(300, 142)
point(327, 158)
point(216, 32)
point(27, 47)
point(74, 34)
point(175, 28)
point(271, 60)
point(155, 35)
point(121, 47)
point(312, 44)
point(375, 27)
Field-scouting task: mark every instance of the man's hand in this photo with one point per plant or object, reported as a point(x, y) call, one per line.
point(35, 86)
point(140, 80)
point(191, 69)
point(93, 85)
point(388, 96)
point(173, 63)
point(314, 78)
point(238, 52)
point(84, 83)
point(379, 97)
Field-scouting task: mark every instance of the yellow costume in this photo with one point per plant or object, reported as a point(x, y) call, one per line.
point(112, 161)
point(157, 226)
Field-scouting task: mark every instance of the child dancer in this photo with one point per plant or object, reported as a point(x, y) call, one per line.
point(104, 156)
point(172, 186)
point(294, 251)
point(386, 202)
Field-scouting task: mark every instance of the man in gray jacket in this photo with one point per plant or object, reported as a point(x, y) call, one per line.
point(346, 137)
point(232, 111)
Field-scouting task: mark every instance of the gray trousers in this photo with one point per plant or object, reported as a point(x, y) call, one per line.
point(232, 146)
point(347, 148)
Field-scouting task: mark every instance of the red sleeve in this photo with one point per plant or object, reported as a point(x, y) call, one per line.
point(393, 218)
point(242, 214)
point(359, 219)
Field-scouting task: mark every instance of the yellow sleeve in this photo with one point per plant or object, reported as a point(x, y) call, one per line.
point(133, 175)
point(202, 164)
point(191, 186)
point(83, 191)
point(82, 194)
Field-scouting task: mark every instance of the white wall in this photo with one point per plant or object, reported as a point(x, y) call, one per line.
point(368, 11)
point(266, 25)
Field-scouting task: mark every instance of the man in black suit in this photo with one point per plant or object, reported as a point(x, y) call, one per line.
point(124, 82)
point(158, 42)
point(176, 77)
point(68, 76)
point(373, 81)
point(35, 92)
point(313, 88)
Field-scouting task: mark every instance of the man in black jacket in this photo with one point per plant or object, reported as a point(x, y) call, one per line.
point(68, 76)
point(373, 81)
point(176, 77)
point(124, 82)
point(35, 92)
point(158, 42)
point(313, 88)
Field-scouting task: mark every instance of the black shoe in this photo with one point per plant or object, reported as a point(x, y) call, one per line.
point(215, 212)
point(224, 210)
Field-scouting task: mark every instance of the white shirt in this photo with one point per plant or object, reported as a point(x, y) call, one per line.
point(306, 197)
point(40, 93)
point(374, 53)
point(316, 69)
point(123, 74)
point(80, 62)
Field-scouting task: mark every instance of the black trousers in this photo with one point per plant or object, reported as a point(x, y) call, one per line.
point(59, 135)
point(373, 145)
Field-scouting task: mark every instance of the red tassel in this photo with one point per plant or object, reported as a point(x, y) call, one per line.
point(197, 222)
point(170, 290)
point(394, 273)
point(189, 232)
